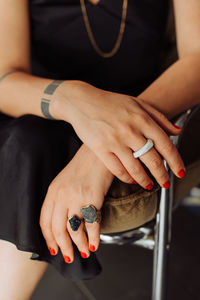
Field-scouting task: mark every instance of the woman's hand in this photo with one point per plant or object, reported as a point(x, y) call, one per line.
point(114, 125)
point(84, 181)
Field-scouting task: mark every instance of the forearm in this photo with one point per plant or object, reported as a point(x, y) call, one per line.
point(177, 88)
point(21, 93)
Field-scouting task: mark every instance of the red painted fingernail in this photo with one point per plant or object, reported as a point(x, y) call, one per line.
point(83, 255)
point(92, 248)
point(166, 185)
point(134, 182)
point(67, 259)
point(181, 173)
point(149, 186)
point(177, 126)
point(52, 251)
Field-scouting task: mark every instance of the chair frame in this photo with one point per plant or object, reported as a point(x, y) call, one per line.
point(158, 236)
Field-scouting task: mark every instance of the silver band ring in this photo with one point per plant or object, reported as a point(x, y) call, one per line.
point(149, 144)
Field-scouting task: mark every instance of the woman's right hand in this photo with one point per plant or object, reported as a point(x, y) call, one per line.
point(114, 125)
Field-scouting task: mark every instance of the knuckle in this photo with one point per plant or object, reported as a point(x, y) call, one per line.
point(99, 145)
point(144, 119)
point(94, 237)
point(50, 240)
point(88, 192)
point(51, 189)
point(121, 173)
point(137, 172)
point(125, 128)
point(169, 148)
point(93, 230)
point(61, 192)
point(143, 181)
point(58, 232)
point(156, 164)
point(163, 177)
point(162, 116)
point(140, 176)
point(44, 224)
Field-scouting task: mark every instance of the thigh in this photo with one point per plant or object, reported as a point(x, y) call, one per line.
point(15, 265)
point(33, 151)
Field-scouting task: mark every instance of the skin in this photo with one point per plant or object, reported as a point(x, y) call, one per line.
point(180, 91)
point(112, 125)
point(75, 182)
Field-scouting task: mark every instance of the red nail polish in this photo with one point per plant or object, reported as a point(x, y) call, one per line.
point(177, 126)
point(92, 248)
point(67, 259)
point(83, 255)
point(181, 173)
point(166, 185)
point(149, 186)
point(134, 182)
point(52, 251)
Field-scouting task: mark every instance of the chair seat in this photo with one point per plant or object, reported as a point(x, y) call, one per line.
point(128, 206)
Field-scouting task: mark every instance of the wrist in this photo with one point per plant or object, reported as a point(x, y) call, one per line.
point(95, 161)
point(60, 106)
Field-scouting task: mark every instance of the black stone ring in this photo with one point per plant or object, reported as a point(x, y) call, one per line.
point(74, 222)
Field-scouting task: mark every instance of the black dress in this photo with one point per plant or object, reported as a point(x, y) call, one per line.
point(33, 150)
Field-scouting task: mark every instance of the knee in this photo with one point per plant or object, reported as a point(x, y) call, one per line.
point(38, 136)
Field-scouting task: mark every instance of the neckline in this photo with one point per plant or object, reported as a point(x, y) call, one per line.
point(95, 4)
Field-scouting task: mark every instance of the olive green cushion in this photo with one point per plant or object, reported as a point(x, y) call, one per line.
point(129, 206)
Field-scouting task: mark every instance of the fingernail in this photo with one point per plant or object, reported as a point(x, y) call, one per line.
point(177, 126)
point(52, 251)
point(83, 255)
point(67, 259)
point(149, 186)
point(181, 173)
point(166, 185)
point(92, 248)
point(134, 182)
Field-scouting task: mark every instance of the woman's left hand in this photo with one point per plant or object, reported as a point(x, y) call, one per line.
point(84, 181)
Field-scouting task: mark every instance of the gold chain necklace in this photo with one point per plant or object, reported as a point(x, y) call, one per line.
point(91, 36)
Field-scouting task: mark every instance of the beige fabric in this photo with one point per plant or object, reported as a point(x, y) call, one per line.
point(127, 207)
point(130, 206)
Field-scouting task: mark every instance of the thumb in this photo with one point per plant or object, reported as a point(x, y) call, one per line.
point(159, 117)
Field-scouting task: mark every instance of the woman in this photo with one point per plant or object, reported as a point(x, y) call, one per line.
point(70, 101)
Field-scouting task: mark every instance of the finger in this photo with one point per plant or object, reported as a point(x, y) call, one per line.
point(79, 237)
point(116, 167)
point(45, 223)
point(166, 148)
point(59, 228)
point(93, 230)
point(155, 164)
point(133, 165)
point(160, 118)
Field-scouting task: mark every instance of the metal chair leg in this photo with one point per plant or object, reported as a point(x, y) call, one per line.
point(162, 243)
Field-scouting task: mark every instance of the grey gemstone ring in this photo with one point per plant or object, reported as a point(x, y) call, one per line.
point(74, 222)
point(91, 214)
